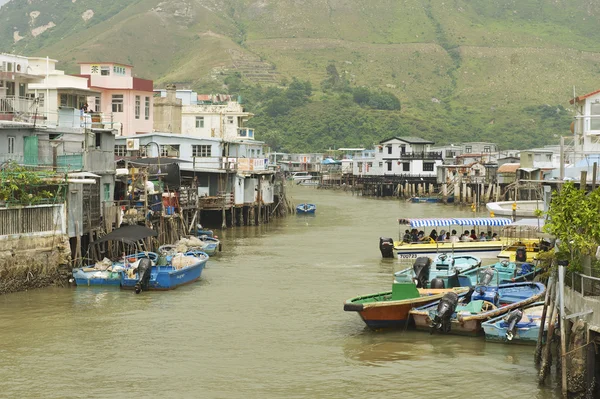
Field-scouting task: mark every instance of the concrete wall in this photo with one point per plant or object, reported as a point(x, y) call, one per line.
point(575, 303)
point(33, 262)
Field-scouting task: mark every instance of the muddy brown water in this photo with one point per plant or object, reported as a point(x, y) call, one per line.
point(265, 321)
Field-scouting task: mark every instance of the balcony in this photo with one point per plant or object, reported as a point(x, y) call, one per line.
point(411, 156)
point(13, 108)
point(230, 164)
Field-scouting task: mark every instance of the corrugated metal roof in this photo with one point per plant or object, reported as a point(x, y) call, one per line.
point(509, 168)
point(409, 140)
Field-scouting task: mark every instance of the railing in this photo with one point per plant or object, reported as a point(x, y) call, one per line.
point(422, 155)
point(37, 219)
point(583, 284)
point(65, 162)
point(16, 105)
point(222, 199)
point(230, 164)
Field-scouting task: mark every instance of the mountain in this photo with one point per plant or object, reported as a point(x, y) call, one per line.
point(497, 70)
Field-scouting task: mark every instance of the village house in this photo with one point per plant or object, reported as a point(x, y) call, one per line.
point(406, 156)
point(15, 76)
point(127, 99)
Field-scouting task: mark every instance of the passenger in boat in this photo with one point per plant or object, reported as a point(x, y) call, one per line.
point(482, 236)
point(447, 236)
point(433, 235)
point(473, 235)
point(453, 237)
point(489, 235)
point(495, 237)
point(442, 236)
point(466, 236)
point(421, 236)
point(414, 235)
point(406, 237)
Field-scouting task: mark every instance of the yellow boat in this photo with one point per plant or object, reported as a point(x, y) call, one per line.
point(508, 246)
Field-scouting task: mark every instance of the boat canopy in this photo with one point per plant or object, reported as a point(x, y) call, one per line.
point(435, 222)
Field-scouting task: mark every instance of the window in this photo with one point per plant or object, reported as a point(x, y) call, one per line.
point(97, 104)
point(381, 164)
point(98, 140)
point(106, 191)
point(169, 150)
point(11, 145)
point(147, 109)
point(487, 149)
point(230, 120)
point(389, 151)
point(105, 70)
point(406, 167)
point(137, 107)
point(468, 149)
point(402, 149)
point(548, 157)
point(41, 98)
point(22, 90)
point(199, 122)
point(389, 166)
point(427, 167)
point(201, 151)
point(117, 103)
point(120, 150)
point(595, 119)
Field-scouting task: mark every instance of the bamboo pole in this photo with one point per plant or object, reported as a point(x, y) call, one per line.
point(547, 357)
point(563, 341)
point(538, 347)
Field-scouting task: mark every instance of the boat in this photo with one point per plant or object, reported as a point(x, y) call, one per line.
point(391, 309)
point(520, 326)
point(429, 247)
point(443, 265)
point(306, 208)
point(298, 176)
point(201, 231)
point(107, 273)
point(521, 208)
point(208, 245)
point(464, 313)
point(505, 272)
point(308, 182)
point(182, 268)
point(431, 200)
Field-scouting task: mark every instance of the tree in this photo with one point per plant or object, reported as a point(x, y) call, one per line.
point(573, 220)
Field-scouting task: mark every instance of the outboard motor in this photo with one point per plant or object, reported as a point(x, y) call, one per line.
point(511, 323)
point(486, 276)
point(421, 270)
point(386, 246)
point(437, 283)
point(445, 310)
point(521, 254)
point(143, 270)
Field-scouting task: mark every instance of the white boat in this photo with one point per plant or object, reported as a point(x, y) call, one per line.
point(524, 208)
point(299, 176)
point(312, 183)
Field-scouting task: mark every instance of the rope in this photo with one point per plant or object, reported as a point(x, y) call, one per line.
point(581, 347)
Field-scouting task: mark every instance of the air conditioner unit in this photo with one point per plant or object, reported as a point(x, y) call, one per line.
point(172, 153)
point(133, 144)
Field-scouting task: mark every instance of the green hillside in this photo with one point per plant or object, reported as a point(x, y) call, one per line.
point(499, 70)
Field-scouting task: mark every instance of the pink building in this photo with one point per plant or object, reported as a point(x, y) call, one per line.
point(126, 99)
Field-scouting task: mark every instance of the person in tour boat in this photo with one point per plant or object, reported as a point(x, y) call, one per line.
point(473, 235)
point(466, 236)
point(482, 236)
point(489, 236)
point(406, 237)
point(495, 237)
point(453, 237)
point(433, 235)
point(448, 236)
point(414, 235)
point(442, 236)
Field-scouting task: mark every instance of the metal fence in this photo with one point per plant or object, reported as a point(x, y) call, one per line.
point(584, 284)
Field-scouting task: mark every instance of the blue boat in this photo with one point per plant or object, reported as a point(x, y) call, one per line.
point(102, 274)
point(464, 314)
point(430, 200)
point(306, 208)
point(506, 272)
point(201, 231)
point(435, 274)
point(211, 245)
point(183, 268)
point(520, 326)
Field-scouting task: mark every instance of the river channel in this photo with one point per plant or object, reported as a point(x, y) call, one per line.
point(265, 321)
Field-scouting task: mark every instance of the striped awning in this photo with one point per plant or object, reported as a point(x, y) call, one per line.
point(482, 221)
point(427, 222)
point(435, 222)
